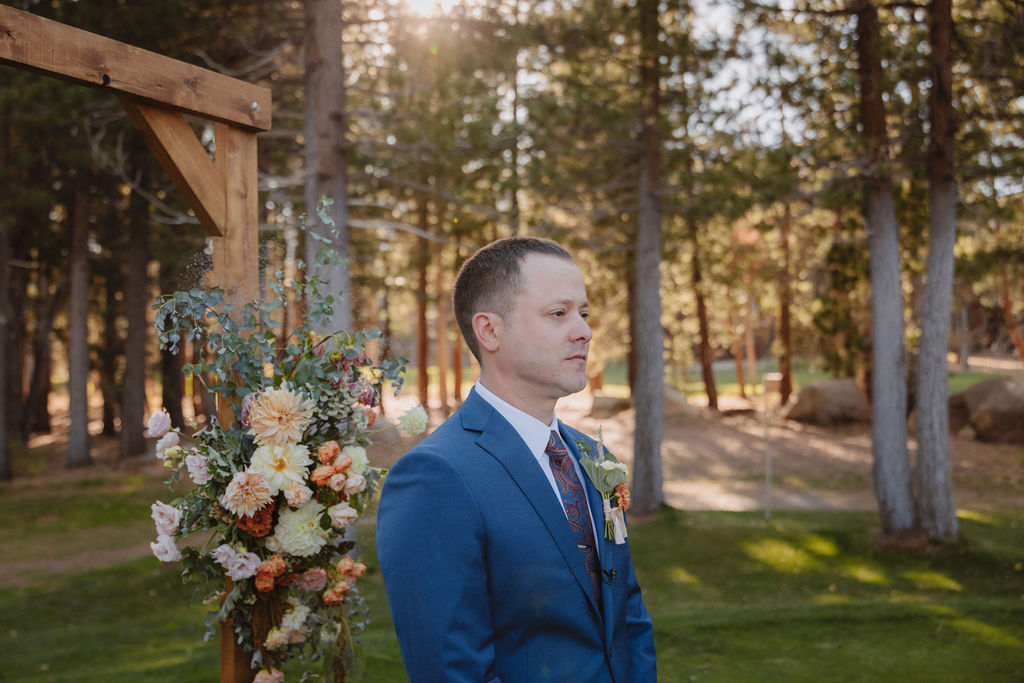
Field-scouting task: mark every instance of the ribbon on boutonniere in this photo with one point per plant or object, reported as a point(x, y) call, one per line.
point(609, 477)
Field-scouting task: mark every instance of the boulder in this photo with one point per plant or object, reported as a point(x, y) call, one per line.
point(605, 407)
point(996, 410)
point(959, 418)
point(828, 402)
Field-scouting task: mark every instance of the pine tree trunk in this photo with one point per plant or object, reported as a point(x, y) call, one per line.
point(327, 155)
point(648, 398)
point(37, 415)
point(422, 336)
point(737, 355)
point(78, 330)
point(1011, 320)
point(108, 353)
point(441, 307)
point(933, 472)
point(136, 299)
point(785, 329)
point(707, 365)
point(5, 323)
point(888, 386)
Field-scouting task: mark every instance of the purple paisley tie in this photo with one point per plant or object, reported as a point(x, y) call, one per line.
point(574, 501)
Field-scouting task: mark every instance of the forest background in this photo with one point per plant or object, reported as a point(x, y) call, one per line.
point(736, 179)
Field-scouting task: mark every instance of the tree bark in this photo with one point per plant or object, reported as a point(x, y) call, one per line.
point(37, 415)
point(108, 354)
point(785, 297)
point(78, 329)
point(648, 398)
point(327, 156)
point(442, 351)
point(136, 298)
point(891, 467)
point(5, 322)
point(422, 335)
point(1011, 321)
point(737, 355)
point(933, 472)
point(707, 364)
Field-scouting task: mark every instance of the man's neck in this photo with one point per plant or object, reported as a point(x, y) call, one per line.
point(541, 409)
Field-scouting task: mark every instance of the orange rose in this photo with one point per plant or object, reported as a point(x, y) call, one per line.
point(342, 463)
point(336, 593)
point(622, 491)
point(272, 567)
point(327, 451)
point(321, 475)
point(345, 565)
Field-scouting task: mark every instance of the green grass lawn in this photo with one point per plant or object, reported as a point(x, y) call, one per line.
point(804, 597)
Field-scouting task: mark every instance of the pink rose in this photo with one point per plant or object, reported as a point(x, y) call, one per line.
point(297, 495)
point(198, 468)
point(159, 424)
point(243, 566)
point(342, 515)
point(313, 580)
point(164, 549)
point(223, 554)
point(167, 518)
point(275, 639)
point(337, 482)
point(238, 566)
point(167, 441)
point(354, 484)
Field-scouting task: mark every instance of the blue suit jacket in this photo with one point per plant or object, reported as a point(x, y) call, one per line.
point(482, 573)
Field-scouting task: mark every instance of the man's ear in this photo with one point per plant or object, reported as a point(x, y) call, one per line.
point(487, 327)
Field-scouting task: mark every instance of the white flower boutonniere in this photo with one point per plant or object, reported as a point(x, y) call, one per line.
point(609, 477)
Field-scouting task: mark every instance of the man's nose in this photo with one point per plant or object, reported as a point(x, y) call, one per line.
point(581, 331)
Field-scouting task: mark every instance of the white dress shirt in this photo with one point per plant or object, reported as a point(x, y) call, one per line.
point(535, 434)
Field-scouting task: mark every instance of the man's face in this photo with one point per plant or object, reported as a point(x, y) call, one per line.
point(545, 338)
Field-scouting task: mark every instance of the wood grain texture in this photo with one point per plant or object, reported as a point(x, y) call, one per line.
point(186, 161)
point(236, 253)
point(59, 50)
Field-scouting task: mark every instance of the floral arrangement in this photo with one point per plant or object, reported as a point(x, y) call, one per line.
point(278, 479)
point(609, 477)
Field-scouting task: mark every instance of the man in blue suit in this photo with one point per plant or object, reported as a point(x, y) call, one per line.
point(489, 533)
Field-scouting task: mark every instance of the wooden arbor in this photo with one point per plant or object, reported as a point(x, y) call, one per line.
point(157, 91)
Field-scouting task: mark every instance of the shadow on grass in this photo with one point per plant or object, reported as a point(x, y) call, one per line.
point(803, 597)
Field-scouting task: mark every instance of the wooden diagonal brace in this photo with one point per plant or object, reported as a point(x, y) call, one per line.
point(186, 161)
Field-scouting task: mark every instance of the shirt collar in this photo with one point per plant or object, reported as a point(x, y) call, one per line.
point(531, 430)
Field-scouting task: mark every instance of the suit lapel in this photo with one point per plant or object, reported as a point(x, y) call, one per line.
point(502, 442)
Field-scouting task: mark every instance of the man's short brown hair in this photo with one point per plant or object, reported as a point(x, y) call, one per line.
point(491, 278)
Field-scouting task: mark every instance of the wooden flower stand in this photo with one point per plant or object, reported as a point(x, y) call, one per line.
point(157, 91)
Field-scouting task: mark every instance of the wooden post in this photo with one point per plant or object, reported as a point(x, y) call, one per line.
point(156, 91)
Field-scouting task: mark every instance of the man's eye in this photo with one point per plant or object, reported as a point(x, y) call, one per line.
point(585, 314)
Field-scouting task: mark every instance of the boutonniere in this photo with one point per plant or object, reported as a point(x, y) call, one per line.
point(609, 477)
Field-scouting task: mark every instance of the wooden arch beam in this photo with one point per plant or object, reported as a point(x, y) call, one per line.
point(55, 49)
point(157, 91)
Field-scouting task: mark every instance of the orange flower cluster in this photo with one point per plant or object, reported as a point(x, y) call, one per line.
point(327, 451)
point(622, 491)
point(259, 524)
point(336, 464)
point(271, 568)
point(348, 571)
